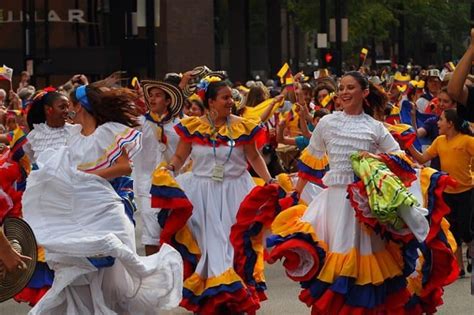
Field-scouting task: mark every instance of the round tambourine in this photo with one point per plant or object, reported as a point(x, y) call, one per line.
point(20, 235)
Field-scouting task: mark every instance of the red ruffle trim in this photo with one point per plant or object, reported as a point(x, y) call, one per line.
point(30, 296)
point(224, 303)
point(180, 212)
point(292, 259)
point(358, 187)
point(333, 303)
point(405, 176)
point(261, 205)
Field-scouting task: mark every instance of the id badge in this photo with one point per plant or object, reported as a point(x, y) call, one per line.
point(218, 173)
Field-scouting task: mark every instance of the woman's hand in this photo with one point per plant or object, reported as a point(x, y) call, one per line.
point(10, 260)
point(365, 154)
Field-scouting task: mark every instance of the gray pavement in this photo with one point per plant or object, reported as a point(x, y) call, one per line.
point(283, 296)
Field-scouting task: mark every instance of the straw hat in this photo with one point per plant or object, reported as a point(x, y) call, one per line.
point(197, 74)
point(175, 93)
point(20, 235)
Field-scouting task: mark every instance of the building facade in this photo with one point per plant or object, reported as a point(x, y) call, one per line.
point(54, 39)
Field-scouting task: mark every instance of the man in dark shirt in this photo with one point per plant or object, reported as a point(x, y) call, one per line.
point(457, 89)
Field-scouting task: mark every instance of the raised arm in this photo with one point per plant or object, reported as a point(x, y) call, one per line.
point(456, 88)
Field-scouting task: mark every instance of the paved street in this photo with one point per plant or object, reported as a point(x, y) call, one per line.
point(283, 297)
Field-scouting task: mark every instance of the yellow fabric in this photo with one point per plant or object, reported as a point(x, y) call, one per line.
point(255, 113)
point(366, 269)
point(373, 269)
point(285, 183)
point(293, 119)
point(257, 246)
point(258, 181)
point(162, 177)
point(455, 156)
point(41, 254)
point(425, 175)
point(451, 241)
point(398, 128)
point(282, 72)
point(313, 162)
point(196, 284)
point(289, 222)
point(238, 128)
point(185, 237)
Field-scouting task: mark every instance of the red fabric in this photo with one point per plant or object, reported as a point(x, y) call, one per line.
point(405, 176)
point(223, 303)
point(180, 212)
point(30, 296)
point(333, 303)
point(258, 206)
point(9, 174)
point(440, 208)
point(292, 259)
point(315, 180)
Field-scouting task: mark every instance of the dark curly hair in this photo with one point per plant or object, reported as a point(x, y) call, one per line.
point(111, 105)
point(36, 110)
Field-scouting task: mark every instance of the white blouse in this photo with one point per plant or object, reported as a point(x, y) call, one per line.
point(339, 135)
point(44, 137)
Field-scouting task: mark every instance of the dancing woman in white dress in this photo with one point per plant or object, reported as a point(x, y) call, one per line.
point(81, 221)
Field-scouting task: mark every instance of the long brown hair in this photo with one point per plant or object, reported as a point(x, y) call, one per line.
point(111, 105)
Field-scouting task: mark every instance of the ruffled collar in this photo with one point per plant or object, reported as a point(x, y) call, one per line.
point(240, 131)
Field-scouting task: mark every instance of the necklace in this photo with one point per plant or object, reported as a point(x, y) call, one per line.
point(218, 171)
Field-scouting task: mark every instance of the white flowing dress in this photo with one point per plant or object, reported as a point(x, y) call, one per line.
point(78, 217)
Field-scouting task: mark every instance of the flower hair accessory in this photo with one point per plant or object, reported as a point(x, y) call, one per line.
point(203, 85)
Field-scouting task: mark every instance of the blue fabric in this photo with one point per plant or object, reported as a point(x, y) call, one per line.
point(301, 142)
point(102, 262)
point(251, 256)
point(167, 192)
point(42, 276)
point(431, 127)
point(368, 296)
point(81, 96)
point(124, 187)
point(405, 117)
point(196, 299)
point(312, 172)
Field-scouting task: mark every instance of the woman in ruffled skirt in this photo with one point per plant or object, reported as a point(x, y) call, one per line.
point(375, 240)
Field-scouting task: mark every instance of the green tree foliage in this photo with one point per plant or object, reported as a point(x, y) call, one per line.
point(378, 21)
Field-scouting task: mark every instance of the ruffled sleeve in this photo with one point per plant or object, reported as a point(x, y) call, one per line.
point(313, 163)
point(242, 131)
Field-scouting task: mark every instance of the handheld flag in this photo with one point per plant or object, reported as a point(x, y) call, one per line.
point(363, 55)
point(6, 73)
point(325, 101)
point(286, 77)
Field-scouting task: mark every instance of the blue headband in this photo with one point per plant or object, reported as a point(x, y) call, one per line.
point(81, 96)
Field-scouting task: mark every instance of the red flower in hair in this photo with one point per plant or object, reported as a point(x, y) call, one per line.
point(50, 89)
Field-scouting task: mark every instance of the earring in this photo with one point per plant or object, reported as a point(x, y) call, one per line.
point(71, 114)
point(213, 113)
